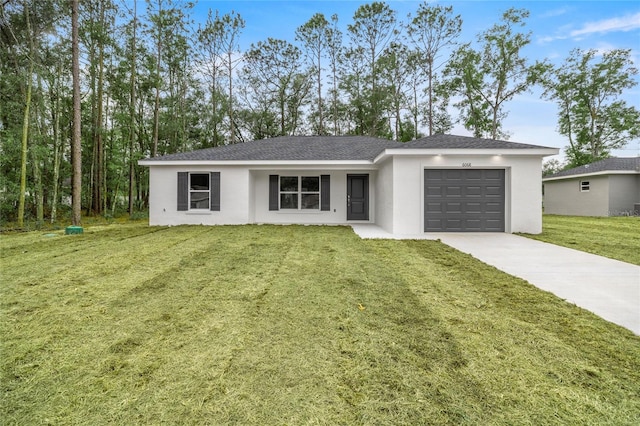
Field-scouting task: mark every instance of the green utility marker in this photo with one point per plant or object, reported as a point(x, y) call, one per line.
point(71, 230)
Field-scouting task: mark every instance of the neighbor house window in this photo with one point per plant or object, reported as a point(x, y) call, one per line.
point(199, 191)
point(584, 186)
point(300, 192)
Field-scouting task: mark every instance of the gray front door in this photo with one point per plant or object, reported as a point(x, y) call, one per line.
point(464, 200)
point(357, 197)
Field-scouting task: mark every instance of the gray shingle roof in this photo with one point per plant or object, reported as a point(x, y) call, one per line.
point(441, 141)
point(331, 148)
point(607, 165)
point(291, 148)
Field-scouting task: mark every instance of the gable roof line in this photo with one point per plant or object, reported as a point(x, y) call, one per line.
point(148, 162)
point(316, 149)
point(600, 173)
point(613, 165)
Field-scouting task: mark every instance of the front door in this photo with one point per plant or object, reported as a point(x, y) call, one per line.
point(357, 197)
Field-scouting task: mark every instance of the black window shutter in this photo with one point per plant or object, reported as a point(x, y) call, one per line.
point(183, 191)
point(215, 191)
point(325, 193)
point(273, 192)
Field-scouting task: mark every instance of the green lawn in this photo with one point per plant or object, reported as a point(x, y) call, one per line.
point(129, 324)
point(613, 237)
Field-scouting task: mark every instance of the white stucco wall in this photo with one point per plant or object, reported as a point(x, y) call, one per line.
point(384, 196)
point(338, 192)
point(396, 192)
point(234, 197)
point(523, 197)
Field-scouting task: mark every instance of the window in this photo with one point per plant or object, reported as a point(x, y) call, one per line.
point(300, 192)
point(199, 191)
point(584, 186)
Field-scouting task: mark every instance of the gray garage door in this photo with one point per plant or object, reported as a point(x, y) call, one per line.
point(463, 200)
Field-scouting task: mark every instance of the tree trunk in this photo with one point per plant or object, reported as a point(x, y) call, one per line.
point(98, 169)
point(132, 110)
point(36, 158)
point(76, 147)
point(430, 65)
point(320, 118)
point(25, 129)
point(232, 126)
point(55, 107)
point(156, 106)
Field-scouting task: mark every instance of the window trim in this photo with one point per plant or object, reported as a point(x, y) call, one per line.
point(184, 192)
point(585, 185)
point(199, 191)
point(299, 193)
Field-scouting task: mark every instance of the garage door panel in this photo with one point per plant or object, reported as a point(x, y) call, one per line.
point(452, 175)
point(453, 224)
point(473, 191)
point(452, 191)
point(494, 174)
point(492, 207)
point(435, 223)
point(453, 208)
point(464, 200)
point(434, 207)
point(433, 174)
point(474, 207)
point(471, 175)
point(434, 190)
point(493, 190)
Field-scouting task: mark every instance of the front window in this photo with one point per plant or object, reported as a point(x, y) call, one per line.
point(300, 192)
point(199, 191)
point(584, 186)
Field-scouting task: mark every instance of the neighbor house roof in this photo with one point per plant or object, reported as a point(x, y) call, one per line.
point(330, 148)
point(607, 166)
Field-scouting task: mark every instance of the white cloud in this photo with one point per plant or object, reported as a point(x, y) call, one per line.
point(556, 12)
point(619, 24)
point(625, 23)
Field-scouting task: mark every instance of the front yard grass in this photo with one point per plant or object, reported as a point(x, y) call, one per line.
point(129, 324)
point(613, 237)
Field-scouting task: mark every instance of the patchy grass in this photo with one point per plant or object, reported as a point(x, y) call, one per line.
point(128, 324)
point(613, 237)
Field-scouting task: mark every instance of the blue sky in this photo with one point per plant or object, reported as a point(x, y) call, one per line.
point(557, 27)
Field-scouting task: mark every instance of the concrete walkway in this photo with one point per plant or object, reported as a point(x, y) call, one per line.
point(606, 287)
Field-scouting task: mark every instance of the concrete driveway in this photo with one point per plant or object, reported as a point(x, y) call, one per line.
point(606, 287)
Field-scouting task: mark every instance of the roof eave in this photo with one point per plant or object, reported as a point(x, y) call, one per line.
point(600, 173)
point(405, 152)
point(253, 162)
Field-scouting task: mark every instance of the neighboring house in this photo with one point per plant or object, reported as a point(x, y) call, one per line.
point(609, 187)
point(437, 183)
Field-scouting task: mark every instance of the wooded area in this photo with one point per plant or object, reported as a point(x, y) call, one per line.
point(153, 82)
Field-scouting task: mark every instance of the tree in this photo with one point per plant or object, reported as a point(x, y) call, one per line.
point(432, 30)
point(334, 52)
point(25, 126)
point(396, 73)
point(486, 79)
point(232, 24)
point(373, 29)
point(552, 166)
point(209, 38)
point(591, 114)
point(76, 138)
point(272, 72)
point(219, 42)
point(314, 36)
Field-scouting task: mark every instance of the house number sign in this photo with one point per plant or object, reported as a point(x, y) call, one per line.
point(466, 164)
